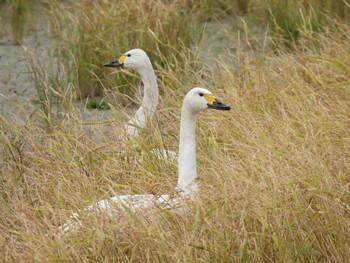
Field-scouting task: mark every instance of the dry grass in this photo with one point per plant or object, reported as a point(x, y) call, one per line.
point(101, 33)
point(274, 172)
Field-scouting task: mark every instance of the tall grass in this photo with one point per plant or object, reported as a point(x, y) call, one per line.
point(52, 85)
point(274, 172)
point(152, 26)
point(289, 18)
point(83, 27)
point(19, 16)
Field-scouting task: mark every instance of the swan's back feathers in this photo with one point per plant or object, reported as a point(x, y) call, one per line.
point(125, 203)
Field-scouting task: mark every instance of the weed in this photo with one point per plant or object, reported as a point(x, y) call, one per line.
point(97, 104)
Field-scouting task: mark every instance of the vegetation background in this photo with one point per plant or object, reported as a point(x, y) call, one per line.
point(274, 172)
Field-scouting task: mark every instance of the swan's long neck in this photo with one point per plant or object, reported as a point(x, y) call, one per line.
point(187, 153)
point(149, 101)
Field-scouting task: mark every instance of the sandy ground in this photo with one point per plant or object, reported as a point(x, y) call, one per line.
point(17, 88)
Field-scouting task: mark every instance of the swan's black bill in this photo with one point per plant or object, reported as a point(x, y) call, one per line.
point(114, 64)
point(218, 105)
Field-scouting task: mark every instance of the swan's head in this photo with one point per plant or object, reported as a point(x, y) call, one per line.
point(135, 59)
point(198, 99)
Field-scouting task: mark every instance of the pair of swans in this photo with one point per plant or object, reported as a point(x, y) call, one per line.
point(195, 101)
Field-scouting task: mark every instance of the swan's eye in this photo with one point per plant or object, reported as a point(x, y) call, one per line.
point(129, 55)
point(201, 94)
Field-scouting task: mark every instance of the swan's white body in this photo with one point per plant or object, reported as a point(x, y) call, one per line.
point(196, 100)
point(110, 207)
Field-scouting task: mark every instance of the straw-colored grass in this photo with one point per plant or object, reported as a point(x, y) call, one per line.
point(274, 171)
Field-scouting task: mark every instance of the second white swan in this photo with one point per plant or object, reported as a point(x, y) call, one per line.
point(138, 60)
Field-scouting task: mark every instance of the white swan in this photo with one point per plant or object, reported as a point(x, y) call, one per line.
point(196, 100)
point(138, 60)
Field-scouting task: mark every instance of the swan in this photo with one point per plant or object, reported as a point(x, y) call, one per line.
point(138, 60)
point(195, 101)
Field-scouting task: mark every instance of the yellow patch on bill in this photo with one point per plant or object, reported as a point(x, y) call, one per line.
point(210, 98)
point(121, 59)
